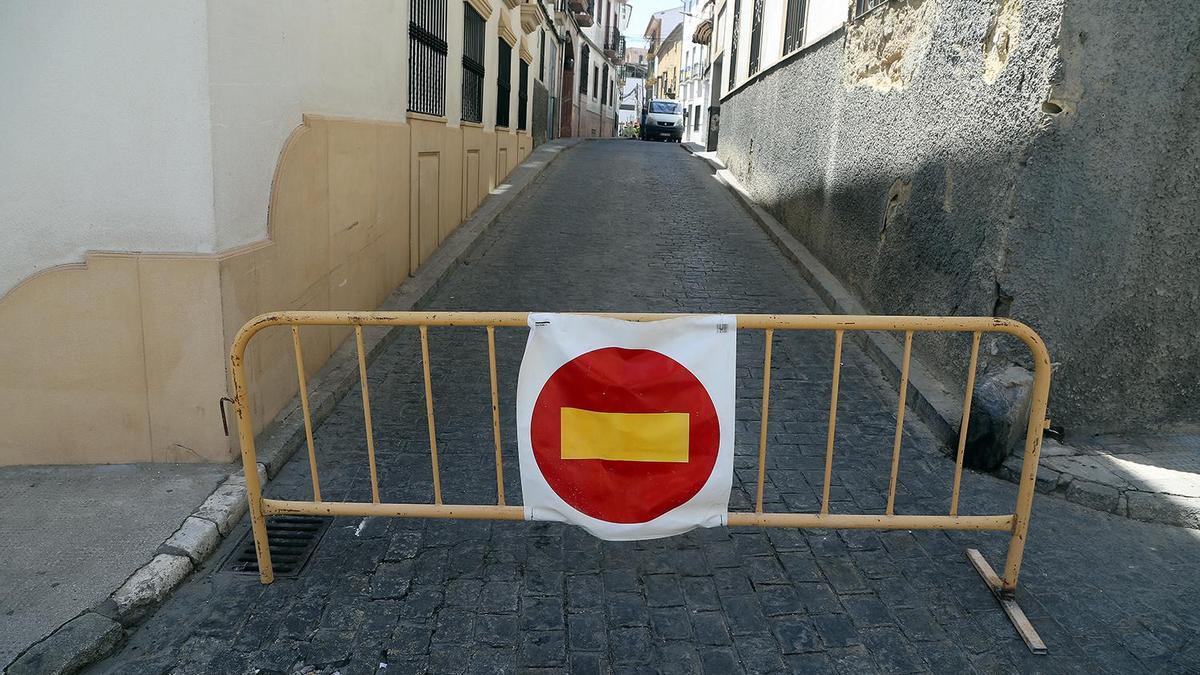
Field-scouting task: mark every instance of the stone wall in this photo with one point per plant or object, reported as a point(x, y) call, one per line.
point(1031, 160)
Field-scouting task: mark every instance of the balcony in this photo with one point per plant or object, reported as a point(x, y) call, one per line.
point(582, 10)
point(614, 44)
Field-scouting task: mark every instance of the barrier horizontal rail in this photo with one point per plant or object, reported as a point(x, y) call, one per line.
point(1016, 523)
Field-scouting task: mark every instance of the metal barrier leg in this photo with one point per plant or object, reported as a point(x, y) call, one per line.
point(1009, 604)
point(258, 523)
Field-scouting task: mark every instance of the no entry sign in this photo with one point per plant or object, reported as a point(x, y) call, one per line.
point(626, 428)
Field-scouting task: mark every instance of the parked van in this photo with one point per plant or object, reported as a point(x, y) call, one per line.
point(664, 119)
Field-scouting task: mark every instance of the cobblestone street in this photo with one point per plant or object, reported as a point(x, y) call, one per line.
point(409, 596)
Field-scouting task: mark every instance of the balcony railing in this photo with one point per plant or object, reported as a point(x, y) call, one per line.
point(583, 11)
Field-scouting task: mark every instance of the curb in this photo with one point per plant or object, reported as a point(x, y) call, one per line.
point(97, 632)
point(940, 409)
point(1071, 474)
point(933, 402)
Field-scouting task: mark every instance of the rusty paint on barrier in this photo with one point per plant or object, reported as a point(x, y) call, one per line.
point(1016, 523)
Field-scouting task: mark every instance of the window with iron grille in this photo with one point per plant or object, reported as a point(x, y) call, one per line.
point(734, 34)
point(756, 19)
point(793, 30)
point(474, 30)
point(595, 81)
point(542, 56)
point(583, 69)
point(427, 57)
point(522, 94)
point(696, 120)
point(863, 6)
point(604, 87)
point(503, 82)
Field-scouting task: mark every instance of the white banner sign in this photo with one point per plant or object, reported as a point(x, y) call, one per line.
point(626, 428)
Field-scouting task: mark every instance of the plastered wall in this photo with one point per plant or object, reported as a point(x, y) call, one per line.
point(1032, 160)
point(123, 358)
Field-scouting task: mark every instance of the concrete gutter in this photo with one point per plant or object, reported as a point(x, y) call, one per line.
point(936, 405)
point(96, 632)
point(1100, 479)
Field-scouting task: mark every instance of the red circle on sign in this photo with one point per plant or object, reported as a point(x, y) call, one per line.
point(617, 380)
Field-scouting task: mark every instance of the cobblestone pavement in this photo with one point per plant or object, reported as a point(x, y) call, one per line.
point(621, 225)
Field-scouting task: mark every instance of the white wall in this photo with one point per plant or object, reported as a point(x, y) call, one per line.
point(824, 17)
point(271, 61)
point(104, 131)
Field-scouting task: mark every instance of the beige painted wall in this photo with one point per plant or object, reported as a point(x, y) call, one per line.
point(123, 358)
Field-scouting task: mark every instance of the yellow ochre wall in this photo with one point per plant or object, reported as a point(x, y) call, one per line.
point(123, 358)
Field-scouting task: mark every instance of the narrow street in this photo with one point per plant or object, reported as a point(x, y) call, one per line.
point(399, 596)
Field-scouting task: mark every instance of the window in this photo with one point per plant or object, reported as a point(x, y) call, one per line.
point(427, 57)
point(696, 120)
point(522, 94)
point(604, 87)
point(863, 6)
point(503, 82)
point(756, 20)
point(474, 28)
point(583, 69)
point(542, 56)
point(595, 81)
point(793, 31)
point(733, 41)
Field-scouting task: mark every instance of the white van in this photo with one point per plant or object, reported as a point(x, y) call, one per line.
point(664, 119)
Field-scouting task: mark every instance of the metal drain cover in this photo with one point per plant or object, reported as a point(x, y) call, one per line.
point(293, 540)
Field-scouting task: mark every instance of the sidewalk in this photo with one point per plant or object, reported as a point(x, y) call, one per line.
point(73, 534)
point(397, 596)
point(115, 526)
point(1154, 478)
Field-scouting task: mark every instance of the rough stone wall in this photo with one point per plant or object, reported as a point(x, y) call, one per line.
point(1000, 157)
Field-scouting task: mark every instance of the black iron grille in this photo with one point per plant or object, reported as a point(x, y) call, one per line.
point(293, 540)
point(427, 57)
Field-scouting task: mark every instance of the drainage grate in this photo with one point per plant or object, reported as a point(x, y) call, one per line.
point(293, 539)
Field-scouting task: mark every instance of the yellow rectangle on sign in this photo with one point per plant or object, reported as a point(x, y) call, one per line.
point(624, 437)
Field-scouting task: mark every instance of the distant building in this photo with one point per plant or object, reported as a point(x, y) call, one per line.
point(662, 36)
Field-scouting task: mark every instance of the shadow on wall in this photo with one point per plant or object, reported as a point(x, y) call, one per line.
point(124, 358)
point(1019, 196)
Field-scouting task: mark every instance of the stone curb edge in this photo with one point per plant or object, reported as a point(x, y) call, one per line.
point(96, 632)
point(937, 406)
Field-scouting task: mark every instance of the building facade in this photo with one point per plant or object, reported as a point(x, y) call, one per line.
point(662, 51)
point(694, 76)
point(594, 50)
point(172, 172)
point(999, 158)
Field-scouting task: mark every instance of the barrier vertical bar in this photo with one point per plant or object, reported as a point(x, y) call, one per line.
point(966, 418)
point(308, 429)
point(433, 451)
point(891, 500)
point(762, 434)
point(241, 408)
point(366, 401)
point(491, 335)
point(833, 399)
point(1029, 467)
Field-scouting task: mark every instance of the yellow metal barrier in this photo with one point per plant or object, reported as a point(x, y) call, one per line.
point(1016, 523)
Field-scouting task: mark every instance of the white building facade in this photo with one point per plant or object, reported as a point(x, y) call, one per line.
point(695, 81)
point(172, 171)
